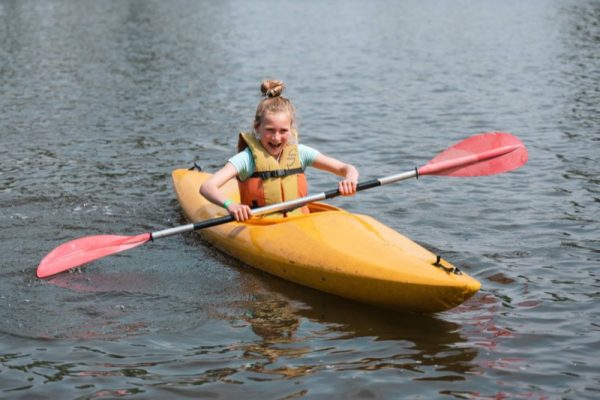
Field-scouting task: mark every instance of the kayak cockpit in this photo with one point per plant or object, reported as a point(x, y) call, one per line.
point(314, 208)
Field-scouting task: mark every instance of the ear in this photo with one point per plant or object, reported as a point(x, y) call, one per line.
point(256, 126)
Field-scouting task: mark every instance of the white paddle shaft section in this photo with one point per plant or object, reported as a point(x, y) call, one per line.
point(172, 231)
point(398, 177)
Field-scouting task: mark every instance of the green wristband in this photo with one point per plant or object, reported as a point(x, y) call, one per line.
point(227, 203)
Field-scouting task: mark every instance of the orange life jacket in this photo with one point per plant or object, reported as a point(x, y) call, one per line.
point(274, 180)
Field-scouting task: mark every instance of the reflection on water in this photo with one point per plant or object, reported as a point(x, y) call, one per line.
point(297, 332)
point(284, 315)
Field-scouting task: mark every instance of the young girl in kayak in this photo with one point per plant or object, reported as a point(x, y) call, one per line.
point(270, 164)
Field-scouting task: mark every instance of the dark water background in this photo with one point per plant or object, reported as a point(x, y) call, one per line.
point(100, 100)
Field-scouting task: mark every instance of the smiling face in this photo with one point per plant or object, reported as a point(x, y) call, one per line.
point(274, 131)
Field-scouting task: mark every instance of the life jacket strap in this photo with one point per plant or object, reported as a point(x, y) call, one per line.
point(278, 173)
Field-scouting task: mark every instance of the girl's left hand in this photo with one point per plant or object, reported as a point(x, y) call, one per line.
point(347, 187)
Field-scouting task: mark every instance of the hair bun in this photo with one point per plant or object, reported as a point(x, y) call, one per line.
point(271, 88)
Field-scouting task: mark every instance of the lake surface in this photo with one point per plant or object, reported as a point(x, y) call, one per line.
point(101, 100)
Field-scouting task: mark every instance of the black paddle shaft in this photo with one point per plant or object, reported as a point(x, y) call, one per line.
point(361, 186)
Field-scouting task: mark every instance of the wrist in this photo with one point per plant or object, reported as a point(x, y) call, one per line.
point(227, 203)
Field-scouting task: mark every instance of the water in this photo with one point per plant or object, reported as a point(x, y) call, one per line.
point(101, 100)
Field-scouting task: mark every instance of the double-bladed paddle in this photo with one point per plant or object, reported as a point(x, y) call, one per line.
point(483, 154)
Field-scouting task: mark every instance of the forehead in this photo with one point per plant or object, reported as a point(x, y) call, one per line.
point(277, 117)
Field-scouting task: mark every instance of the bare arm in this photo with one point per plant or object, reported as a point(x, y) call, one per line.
point(210, 189)
point(347, 186)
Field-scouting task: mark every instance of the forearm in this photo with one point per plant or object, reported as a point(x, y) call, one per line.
point(211, 188)
point(212, 193)
point(349, 173)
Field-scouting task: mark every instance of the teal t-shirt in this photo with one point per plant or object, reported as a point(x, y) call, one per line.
point(244, 162)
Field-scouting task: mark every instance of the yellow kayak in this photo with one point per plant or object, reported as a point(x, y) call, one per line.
point(349, 255)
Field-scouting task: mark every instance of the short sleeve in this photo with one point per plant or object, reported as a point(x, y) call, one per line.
point(307, 155)
point(243, 163)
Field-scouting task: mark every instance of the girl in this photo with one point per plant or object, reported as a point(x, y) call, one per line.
point(270, 163)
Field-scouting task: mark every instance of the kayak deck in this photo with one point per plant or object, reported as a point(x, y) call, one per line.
point(350, 255)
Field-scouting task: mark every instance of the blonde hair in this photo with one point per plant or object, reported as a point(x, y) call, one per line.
point(273, 101)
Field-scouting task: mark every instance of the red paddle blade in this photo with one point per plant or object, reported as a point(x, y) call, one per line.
point(83, 250)
point(484, 154)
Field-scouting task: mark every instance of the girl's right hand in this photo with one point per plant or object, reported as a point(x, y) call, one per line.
point(240, 212)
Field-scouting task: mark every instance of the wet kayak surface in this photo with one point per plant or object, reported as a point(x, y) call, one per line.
point(102, 100)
